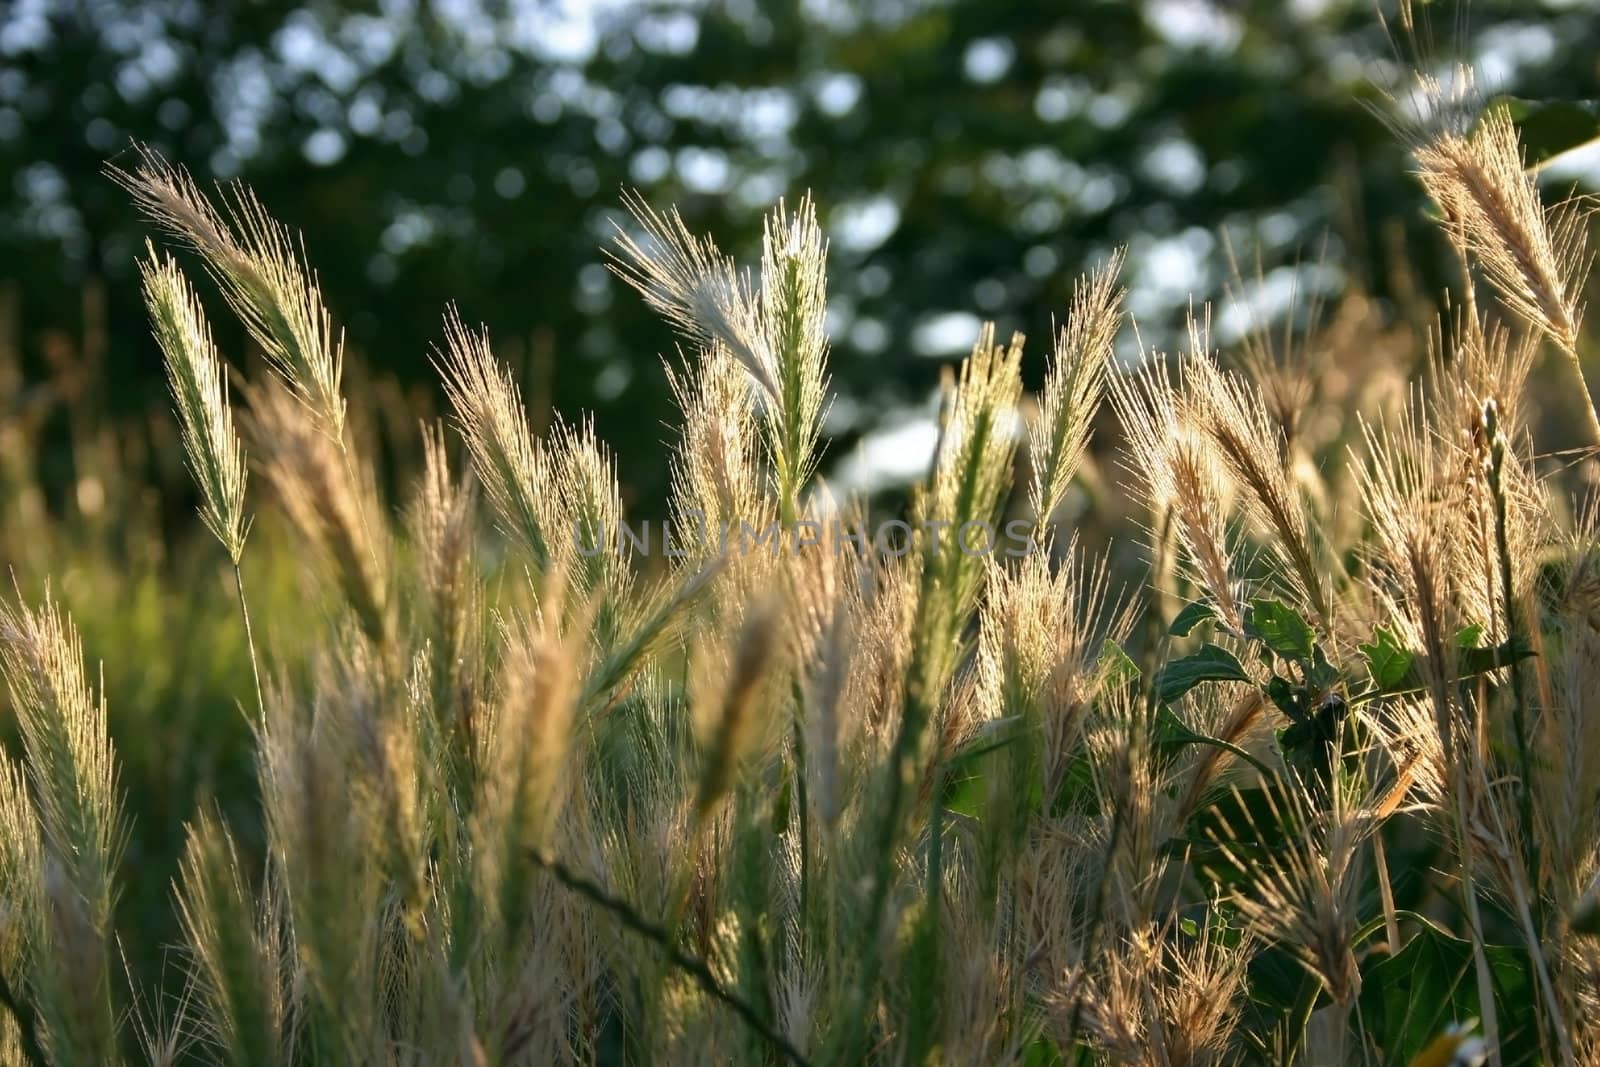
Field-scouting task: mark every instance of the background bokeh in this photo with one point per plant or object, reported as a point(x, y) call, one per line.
point(969, 156)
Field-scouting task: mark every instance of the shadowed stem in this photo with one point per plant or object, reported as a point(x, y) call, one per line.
point(1469, 894)
point(692, 966)
point(1096, 918)
point(1532, 925)
point(249, 638)
point(802, 796)
point(27, 1024)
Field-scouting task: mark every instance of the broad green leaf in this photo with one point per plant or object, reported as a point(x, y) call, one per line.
point(1042, 1052)
point(1320, 674)
point(1251, 820)
point(1470, 662)
point(1482, 660)
point(1210, 663)
point(1409, 998)
point(964, 794)
point(1281, 629)
point(1387, 661)
point(1191, 616)
point(965, 771)
point(1077, 792)
point(1307, 744)
point(1285, 697)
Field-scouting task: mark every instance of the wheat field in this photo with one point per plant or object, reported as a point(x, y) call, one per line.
point(1321, 787)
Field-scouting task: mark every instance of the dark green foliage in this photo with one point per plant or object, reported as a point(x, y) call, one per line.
point(1408, 999)
point(1212, 663)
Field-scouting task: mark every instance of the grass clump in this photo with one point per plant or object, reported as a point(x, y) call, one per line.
point(1318, 789)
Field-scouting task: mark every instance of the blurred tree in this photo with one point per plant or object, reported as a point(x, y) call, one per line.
point(970, 157)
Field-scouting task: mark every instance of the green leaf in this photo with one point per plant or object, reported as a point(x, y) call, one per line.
point(1469, 636)
point(1191, 616)
point(1470, 662)
point(965, 771)
point(1482, 660)
point(1284, 697)
point(1320, 674)
point(1077, 792)
point(1387, 661)
point(1115, 667)
point(1408, 999)
point(1549, 128)
point(1042, 1052)
point(1210, 663)
point(1172, 733)
point(1281, 629)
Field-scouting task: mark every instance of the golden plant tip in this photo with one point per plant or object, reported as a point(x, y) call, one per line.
point(508, 462)
point(1535, 257)
point(695, 287)
point(260, 266)
point(1073, 386)
point(197, 380)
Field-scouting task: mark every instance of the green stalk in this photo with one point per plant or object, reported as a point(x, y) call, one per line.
point(1497, 456)
point(1305, 1004)
point(927, 966)
point(1532, 918)
point(249, 638)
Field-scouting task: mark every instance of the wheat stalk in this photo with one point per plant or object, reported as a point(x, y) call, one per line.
point(1534, 257)
point(262, 275)
point(1073, 386)
point(198, 381)
point(72, 769)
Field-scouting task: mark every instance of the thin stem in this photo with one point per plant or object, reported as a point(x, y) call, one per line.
point(1480, 961)
point(1305, 1004)
point(901, 772)
point(1509, 606)
point(1571, 355)
point(692, 966)
point(249, 638)
point(1391, 920)
point(1469, 288)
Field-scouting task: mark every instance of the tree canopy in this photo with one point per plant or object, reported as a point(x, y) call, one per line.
point(969, 157)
